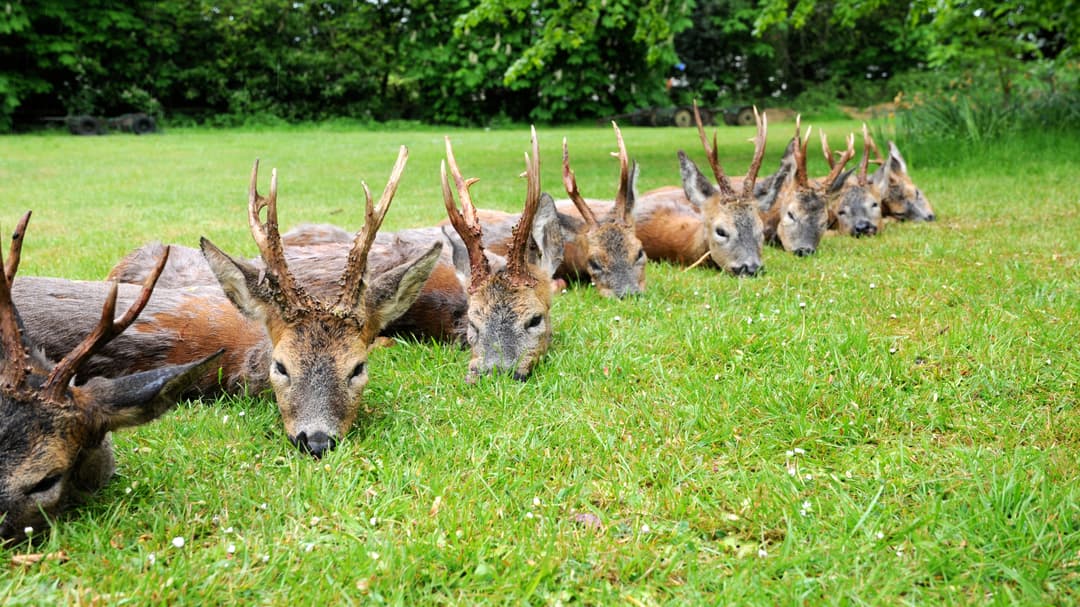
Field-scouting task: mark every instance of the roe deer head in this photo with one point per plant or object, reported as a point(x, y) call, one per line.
point(615, 258)
point(798, 218)
point(732, 228)
point(318, 368)
point(55, 446)
point(900, 198)
point(509, 324)
point(854, 207)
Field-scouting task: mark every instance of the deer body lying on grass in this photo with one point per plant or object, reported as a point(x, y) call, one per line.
point(854, 204)
point(705, 221)
point(55, 446)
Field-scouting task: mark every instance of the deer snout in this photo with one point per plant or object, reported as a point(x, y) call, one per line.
point(745, 269)
point(804, 251)
point(930, 217)
point(316, 444)
point(865, 228)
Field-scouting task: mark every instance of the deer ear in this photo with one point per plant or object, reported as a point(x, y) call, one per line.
point(139, 398)
point(896, 161)
point(547, 235)
point(697, 187)
point(840, 180)
point(459, 255)
point(244, 284)
point(391, 293)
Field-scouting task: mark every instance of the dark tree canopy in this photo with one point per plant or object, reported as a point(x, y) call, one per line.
point(479, 61)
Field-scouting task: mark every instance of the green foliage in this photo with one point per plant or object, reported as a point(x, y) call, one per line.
point(969, 105)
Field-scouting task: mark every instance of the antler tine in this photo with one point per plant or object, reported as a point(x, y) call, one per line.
point(516, 259)
point(352, 280)
point(865, 157)
point(466, 223)
point(56, 384)
point(13, 369)
point(570, 183)
point(762, 122)
point(268, 238)
point(622, 194)
point(838, 166)
point(825, 148)
point(14, 253)
point(711, 154)
point(800, 153)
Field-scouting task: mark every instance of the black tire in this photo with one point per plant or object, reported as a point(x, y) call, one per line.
point(745, 117)
point(685, 118)
point(142, 124)
point(83, 125)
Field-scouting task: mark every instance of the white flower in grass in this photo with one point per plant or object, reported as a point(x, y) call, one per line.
point(645, 529)
point(151, 558)
point(806, 508)
point(231, 549)
point(799, 451)
point(178, 542)
point(536, 502)
point(880, 535)
point(28, 530)
point(792, 471)
point(308, 547)
point(373, 521)
point(762, 553)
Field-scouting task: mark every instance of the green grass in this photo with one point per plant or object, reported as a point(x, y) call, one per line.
point(909, 435)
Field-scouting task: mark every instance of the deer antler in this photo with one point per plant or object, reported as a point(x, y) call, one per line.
point(825, 148)
point(570, 183)
point(800, 154)
point(762, 122)
point(56, 383)
point(865, 157)
point(837, 167)
point(268, 239)
point(622, 194)
point(13, 369)
point(15, 251)
point(465, 221)
point(516, 257)
point(710, 153)
point(352, 280)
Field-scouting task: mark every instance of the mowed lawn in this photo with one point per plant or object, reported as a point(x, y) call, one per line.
point(890, 421)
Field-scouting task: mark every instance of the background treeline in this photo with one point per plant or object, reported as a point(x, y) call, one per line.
point(491, 61)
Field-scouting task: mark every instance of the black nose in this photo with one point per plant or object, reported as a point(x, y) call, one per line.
point(317, 444)
point(746, 269)
point(864, 228)
point(930, 217)
point(803, 251)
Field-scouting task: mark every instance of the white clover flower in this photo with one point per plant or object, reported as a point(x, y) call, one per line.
point(645, 529)
point(178, 542)
point(151, 558)
point(762, 553)
point(231, 549)
point(28, 530)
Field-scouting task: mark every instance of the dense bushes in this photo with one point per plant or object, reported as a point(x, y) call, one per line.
point(491, 61)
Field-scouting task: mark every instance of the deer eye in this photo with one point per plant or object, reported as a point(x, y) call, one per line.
point(873, 206)
point(640, 255)
point(841, 212)
point(357, 371)
point(279, 368)
point(721, 233)
point(44, 484)
point(535, 321)
point(594, 266)
point(791, 215)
